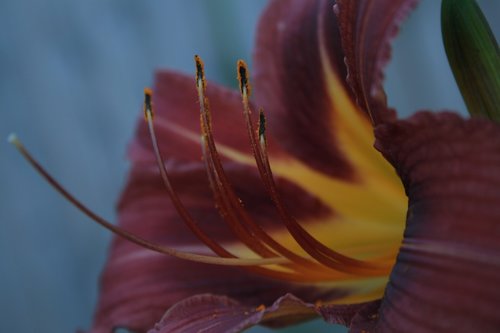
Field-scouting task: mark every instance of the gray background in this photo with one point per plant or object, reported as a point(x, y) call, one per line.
point(72, 75)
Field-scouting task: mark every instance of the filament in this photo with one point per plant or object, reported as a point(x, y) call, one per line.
point(321, 263)
point(312, 246)
point(125, 234)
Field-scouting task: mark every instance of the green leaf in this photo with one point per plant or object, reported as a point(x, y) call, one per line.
point(474, 56)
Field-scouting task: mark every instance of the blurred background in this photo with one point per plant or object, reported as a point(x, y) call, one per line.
point(71, 83)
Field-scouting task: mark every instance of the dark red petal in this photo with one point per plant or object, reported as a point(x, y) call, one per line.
point(297, 56)
point(448, 269)
point(220, 314)
point(343, 314)
point(365, 320)
point(366, 29)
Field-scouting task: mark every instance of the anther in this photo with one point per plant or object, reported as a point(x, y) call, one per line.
point(243, 79)
point(260, 308)
point(148, 103)
point(179, 206)
point(200, 73)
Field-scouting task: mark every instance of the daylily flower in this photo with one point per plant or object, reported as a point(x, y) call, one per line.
point(429, 194)
point(306, 217)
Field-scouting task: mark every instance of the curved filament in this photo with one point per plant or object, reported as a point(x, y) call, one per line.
point(230, 206)
point(312, 246)
point(322, 265)
point(135, 239)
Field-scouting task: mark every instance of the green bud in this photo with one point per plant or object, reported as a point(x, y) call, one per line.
point(474, 56)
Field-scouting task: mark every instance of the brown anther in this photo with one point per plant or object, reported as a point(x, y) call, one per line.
point(200, 72)
point(243, 79)
point(260, 308)
point(148, 103)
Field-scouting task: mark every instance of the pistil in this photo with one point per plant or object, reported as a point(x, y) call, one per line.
point(130, 237)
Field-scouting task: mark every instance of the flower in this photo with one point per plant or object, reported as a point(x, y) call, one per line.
point(324, 225)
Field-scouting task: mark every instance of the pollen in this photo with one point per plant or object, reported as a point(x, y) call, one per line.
point(200, 73)
point(260, 308)
point(242, 70)
point(148, 103)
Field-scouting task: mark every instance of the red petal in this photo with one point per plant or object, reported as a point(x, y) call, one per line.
point(298, 63)
point(138, 285)
point(448, 269)
point(220, 314)
point(300, 82)
point(366, 28)
point(343, 314)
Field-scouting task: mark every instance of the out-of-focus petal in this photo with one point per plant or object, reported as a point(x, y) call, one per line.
point(220, 314)
point(367, 28)
point(300, 82)
point(447, 271)
point(343, 314)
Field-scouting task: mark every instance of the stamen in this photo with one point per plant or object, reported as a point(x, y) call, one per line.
point(291, 276)
point(179, 206)
point(290, 266)
point(187, 218)
point(312, 246)
point(135, 239)
point(229, 205)
point(227, 209)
